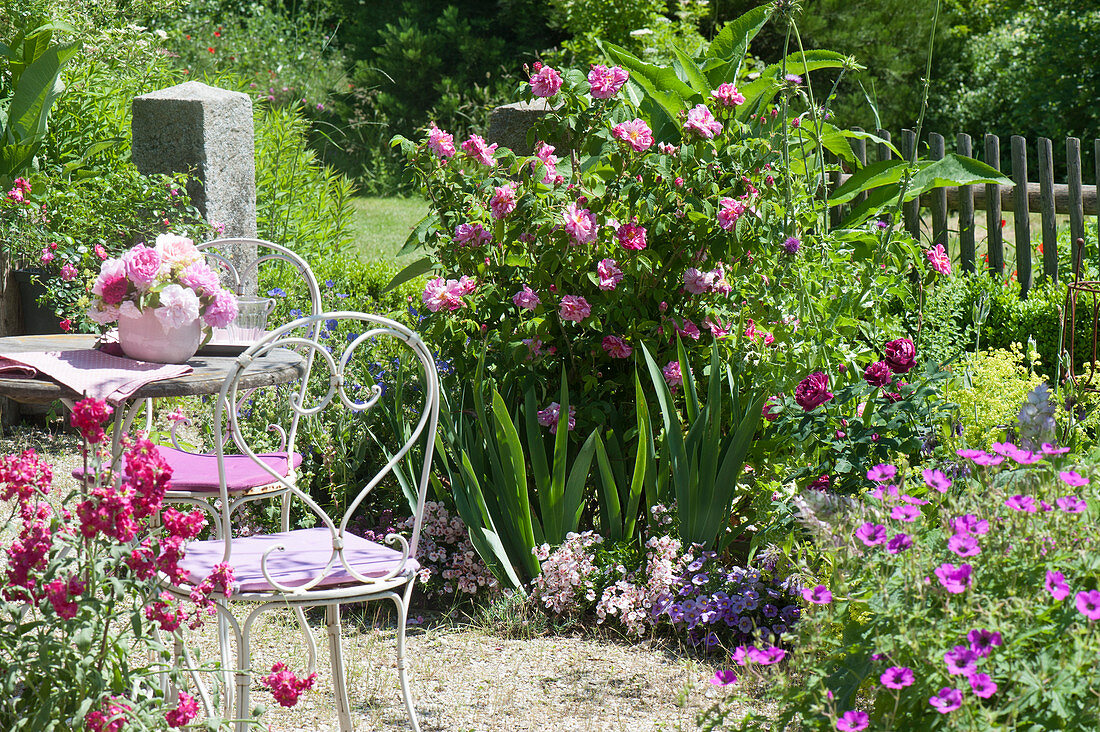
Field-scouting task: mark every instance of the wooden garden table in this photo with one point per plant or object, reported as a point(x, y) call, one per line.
point(208, 373)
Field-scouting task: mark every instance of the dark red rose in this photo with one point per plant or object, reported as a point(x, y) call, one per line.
point(813, 391)
point(770, 410)
point(878, 374)
point(822, 483)
point(900, 355)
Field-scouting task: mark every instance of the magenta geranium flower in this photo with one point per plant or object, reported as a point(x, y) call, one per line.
point(961, 660)
point(936, 479)
point(969, 524)
point(871, 534)
point(964, 545)
point(723, 677)
point(546, 82)
point(1049, 449)
point(948, 700)
point(1071, 504)
point(818, 595)
point(905, 513)
point(983, 641)
point(1088, 604)
point(702, 122)
point(766, 656)
point(1056, 585)
point(1018, 502)
point(982, 685)
point(899, 543)
point(897, 677)
point(605, 82)
point(1024, 457)
point(574, 308)
point(954, 579)
point(853, 721)
point(1073, 478)
point(882, 473)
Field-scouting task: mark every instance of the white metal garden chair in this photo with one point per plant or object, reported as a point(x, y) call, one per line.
point(327, 565)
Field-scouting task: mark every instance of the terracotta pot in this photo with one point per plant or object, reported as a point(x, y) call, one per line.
point(146, 338)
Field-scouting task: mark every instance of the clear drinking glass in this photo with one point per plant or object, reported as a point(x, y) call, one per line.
point(251, 321)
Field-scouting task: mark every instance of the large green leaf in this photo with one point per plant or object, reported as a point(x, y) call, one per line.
point(413, 270)
point(38, 88)
point(727, 50)
point(415, 240)
point(689, 71)
point(611, 514)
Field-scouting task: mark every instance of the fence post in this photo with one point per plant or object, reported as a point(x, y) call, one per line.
point(995, 248)
point(1076, 204)
point(937, 151)
point(859, 148)
point(966, 211)
point(883, 152)
point(910, 210)
point(1046, 203)
point(1020, 214)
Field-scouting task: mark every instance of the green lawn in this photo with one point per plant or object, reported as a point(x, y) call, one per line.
point(381, 225)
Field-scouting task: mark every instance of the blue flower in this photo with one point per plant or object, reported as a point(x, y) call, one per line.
point(353, 336)
point(331, 324)
point(330, 284)
point(342, 295)
point(295, 313)
point(276, 292)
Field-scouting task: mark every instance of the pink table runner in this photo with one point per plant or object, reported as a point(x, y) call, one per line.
point(90, 372)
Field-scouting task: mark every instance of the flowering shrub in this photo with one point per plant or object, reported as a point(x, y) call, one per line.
point(967, 605)
point(171, 278)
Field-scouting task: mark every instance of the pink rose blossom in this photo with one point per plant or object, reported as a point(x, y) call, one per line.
point(610, 274)
point(477, 149)
point(47, 256)
point(527, 299)
point(727, 95)
point(729, 210)
point(631, 236)
point(688, 330)
point(606, 82)
point(616, 347)
point(441, 143)
point(100, 251)
point(178, 306)
point(142, 266)
point(696, 282)
point(574, 308)
point(472, 235)
point(439, 296)
point(702, 122)
point(503, 201)
point(222, 311)
point(549, 417)
point(672, 374)
point(635, 132)
point(545, 153)
point(546, 82)
point(68, 273)
point(939, 260)
point(200, 278)
point(176, 250)
point(580, 223)
point(717, 327)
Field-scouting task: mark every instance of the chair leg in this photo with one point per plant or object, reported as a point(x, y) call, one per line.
point(243, 713)
point(402, 673)
point(339, 678)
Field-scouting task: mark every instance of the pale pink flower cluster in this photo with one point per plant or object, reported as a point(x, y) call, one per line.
point(567, 573)
point(185, 287)
point(636, 133)
point(580, 224)
point(605, 82)
point(445, 551)
point(727, 95)
point(637, 601)
point(440, 294)
point(609, 273)
point(702, 122)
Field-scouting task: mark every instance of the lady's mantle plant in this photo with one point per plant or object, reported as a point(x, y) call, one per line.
point(971, 604)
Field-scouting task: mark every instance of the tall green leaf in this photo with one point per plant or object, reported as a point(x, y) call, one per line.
point(727, 50)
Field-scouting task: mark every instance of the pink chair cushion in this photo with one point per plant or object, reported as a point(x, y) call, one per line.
point(307, 552)
point(191, 472)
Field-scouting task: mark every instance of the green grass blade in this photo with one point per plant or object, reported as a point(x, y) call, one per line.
point(611, 516)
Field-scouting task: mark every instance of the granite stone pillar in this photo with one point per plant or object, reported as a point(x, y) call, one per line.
point(206, 132)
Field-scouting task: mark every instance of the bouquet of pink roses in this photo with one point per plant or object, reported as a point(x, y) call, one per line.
point(171, 277)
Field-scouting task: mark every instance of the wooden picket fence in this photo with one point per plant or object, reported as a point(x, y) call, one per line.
point(1044, 196)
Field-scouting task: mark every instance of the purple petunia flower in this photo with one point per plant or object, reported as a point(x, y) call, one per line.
point(853, 721)
point(1072, 478)
point(982, 641)
point(1022, 503)
point(964, 545)
point(961, 661)
point(982, 685)
point(936, 479)
point(954, 579)
point(871, 534)
point(1072, 504)
point(948, 700)
point(1056, 585)
point(1088, 604)
point(899, 543)
point(897, 677)
point(882, 473)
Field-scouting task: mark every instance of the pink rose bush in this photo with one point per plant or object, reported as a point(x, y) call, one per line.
point(171, 278)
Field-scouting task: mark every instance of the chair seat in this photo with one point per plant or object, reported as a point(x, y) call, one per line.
point(307, 553)
point(199, 472)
